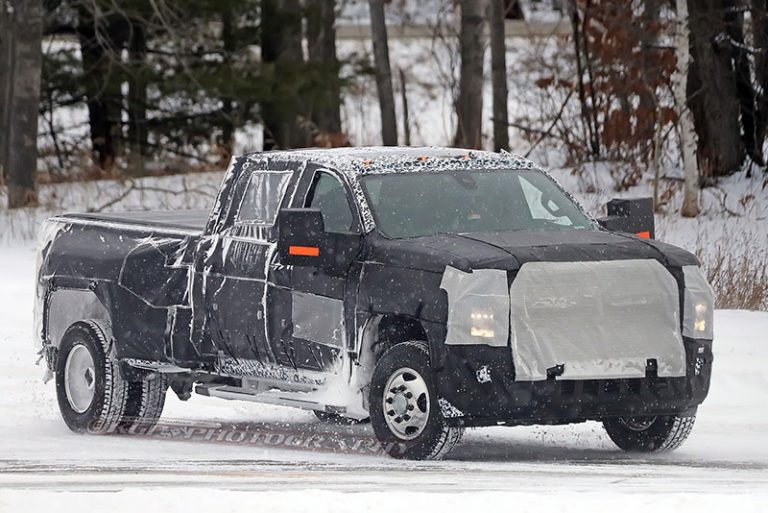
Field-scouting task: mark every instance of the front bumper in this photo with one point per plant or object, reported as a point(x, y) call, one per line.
point(477, 388)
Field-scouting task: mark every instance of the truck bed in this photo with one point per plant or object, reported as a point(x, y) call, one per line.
point(194, 220)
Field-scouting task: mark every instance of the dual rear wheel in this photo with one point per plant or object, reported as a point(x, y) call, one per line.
point(93, 396)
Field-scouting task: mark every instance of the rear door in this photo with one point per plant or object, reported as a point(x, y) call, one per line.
point(233, 268)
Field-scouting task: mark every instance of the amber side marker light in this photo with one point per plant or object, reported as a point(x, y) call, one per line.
point(644, 235)
point(310, 251)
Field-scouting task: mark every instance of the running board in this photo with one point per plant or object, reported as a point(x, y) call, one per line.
point(301, 400)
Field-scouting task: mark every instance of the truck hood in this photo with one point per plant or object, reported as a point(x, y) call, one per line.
point(510, 250)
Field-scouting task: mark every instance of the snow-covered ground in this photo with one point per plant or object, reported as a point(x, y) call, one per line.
point(569, 468)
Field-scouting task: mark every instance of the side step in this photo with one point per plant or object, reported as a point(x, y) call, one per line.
point(301, 400)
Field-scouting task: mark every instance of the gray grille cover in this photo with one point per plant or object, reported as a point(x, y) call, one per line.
point(600, 319)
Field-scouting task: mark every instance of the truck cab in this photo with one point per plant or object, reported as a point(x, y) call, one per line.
point(425, 289)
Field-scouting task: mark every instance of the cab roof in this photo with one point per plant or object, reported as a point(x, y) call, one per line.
point(398, 159)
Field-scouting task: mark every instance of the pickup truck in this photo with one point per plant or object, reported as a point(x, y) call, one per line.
point(425, 289)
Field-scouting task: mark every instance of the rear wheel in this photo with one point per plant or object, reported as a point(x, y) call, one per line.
point(145, 402)
point(404, 408)
point(89, 388)
point(649, 434)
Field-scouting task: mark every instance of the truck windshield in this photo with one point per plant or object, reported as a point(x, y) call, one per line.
point(417, 204)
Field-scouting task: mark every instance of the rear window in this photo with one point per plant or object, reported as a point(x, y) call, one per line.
point(263, 197)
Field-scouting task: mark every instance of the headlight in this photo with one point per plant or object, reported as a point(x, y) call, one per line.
point(700, 323)
point(478, 307)
point(481, 324)
point(699, 304)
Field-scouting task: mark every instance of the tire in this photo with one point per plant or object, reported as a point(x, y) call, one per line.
point(337, 419)
point(145, 402)
point(89, 388)
point(654, 434)
point(424, 436)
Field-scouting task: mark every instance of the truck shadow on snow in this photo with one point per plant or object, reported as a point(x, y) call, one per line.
point(359, 440)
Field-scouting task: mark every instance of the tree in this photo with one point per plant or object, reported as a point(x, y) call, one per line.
point(281, 50)
point(137, 98)
point(6, 62)
point(712, 91)
point(685, 119)
point(383, 73)
point(469, 105)
point(321, 43)
point(499, 75)
point(101, 40)
point(23, 24)
point(760, 31)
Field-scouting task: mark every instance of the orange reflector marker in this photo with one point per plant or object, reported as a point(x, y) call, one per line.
point(644, 235)
point(310, 251)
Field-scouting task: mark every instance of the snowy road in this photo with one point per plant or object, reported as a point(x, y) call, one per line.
point(723, 465)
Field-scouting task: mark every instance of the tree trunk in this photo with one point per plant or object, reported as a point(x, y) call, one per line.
point(281, 48)
point(321, 43)
point(712, 92)
point(647, 115)
point(735, 22)
point(469, 105)
point(6, 74)
point(137, 99)
point(760, 31)
point(229, 40)
point(383, 73)
point(499, 76)
point(24, 104)
point(590, 132)
point(684, 116)
point(102, 89)
point(404, 101)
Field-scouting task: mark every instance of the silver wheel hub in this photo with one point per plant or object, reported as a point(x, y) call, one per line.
point(79, 378)
point(406, 403)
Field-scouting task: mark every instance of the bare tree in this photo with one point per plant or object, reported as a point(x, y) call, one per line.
point(22, 92)
point(499, 75)
point(383, 73)
point(469, 105)
point(685, 118)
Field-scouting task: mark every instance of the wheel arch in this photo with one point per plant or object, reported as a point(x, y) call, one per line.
point(67, 306)
point(383, 331)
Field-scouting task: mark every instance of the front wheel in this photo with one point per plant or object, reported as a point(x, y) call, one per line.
point(649, 434)
point(404, 408)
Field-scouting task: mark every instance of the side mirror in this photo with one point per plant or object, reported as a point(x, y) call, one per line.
point(300, 236)
point(303, 241)
point(631, 215)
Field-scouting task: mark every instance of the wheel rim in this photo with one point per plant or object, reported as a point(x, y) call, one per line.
point(406, 403)
point(79, 378)
point(637, 423)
